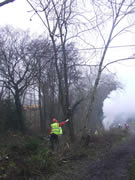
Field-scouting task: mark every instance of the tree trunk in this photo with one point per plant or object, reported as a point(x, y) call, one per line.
point(70, 124)
point(20, 119)
point(42, 128)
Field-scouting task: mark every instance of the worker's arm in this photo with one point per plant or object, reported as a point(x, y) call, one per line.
point(62, 123)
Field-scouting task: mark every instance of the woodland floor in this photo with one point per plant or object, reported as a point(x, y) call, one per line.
point(118, 163)
point(107, 157)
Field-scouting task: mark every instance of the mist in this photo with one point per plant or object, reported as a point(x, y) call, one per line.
point(120, 104)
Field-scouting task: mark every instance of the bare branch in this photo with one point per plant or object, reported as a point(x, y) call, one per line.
point(118, 60)
point(6, 2)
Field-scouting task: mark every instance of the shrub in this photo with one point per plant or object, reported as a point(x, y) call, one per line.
point(8, 116)
point(32, 143)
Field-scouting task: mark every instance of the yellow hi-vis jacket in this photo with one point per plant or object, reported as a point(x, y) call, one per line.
point(56, 129)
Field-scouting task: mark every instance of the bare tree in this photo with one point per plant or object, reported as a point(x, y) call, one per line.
point(16, 71)
point(57, 17)
point(111, 20)
point(40, 50)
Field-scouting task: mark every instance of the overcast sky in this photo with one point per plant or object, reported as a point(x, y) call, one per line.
point(17, 15)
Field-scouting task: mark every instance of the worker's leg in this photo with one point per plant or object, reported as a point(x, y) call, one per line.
point(57, 143)
point(52, 139)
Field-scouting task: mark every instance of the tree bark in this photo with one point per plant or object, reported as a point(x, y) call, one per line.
point(20, 119)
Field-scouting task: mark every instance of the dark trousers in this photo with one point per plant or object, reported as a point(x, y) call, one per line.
point(54, 140)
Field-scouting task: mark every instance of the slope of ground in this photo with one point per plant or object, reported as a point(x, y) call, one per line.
point(102, 157)
point(111, 165)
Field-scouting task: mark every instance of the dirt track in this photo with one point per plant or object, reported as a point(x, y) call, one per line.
point(111, 166)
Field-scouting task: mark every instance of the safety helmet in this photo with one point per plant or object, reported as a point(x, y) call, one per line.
point(54, 120)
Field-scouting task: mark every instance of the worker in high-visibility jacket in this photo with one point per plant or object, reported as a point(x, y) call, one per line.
point(55, 131)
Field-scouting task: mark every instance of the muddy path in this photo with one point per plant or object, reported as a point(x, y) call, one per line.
point(112, 165)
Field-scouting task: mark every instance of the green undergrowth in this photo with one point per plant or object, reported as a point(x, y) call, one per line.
point(24, 157)
point(131, 170)
point(28, 157)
